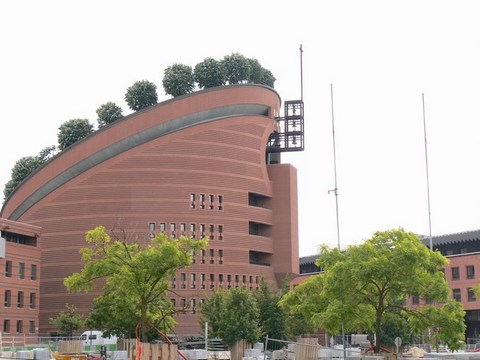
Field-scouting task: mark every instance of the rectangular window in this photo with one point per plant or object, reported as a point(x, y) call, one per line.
point(220, 256)
point(31, 327)
point(415, 300)
point(33, 272)
point(212, 277)
point(151, 227)
point(202, 279)
point(471, 295)
point(173, 228)
point(192, 231)
point(162, 227)
point(244, 279)
point(19, 326)
point(192, 281)
point(220, 232)
point(8, 298)
point(193, 305)
point(33, 300)
point(183, 278)
point(457, 294)
point(20, 299)
point(202, 230)
point(202, 201)
point(220, 278)
point(21, 270)
point(6, 326)
point(212, 230)
point(174, 303)
point(220, 202)
point(183, 228)
point(8, 268)
point(470, 272)
point(229, 278)
point(192, 201)
point(211, 201)
point(202, 260)
point(455, 273)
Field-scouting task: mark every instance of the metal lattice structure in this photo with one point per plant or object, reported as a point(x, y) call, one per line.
point(290, 133)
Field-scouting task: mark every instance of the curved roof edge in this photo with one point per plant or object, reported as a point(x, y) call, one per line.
point(130, 142)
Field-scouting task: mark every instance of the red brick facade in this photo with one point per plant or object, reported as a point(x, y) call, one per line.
point(193, 165)
point(19, 279)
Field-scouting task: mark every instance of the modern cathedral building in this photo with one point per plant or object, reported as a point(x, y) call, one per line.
point(204, 164)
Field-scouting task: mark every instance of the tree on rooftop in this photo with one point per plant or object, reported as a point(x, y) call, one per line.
point(25, 166)
point(141, 94)
point(178, 80)
point(367, 282)
point(237, 68)
point(136, 279)
point(108, 113)
point(209, 73)
point(72, 131)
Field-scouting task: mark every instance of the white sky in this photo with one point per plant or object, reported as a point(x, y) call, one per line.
point(61, 60)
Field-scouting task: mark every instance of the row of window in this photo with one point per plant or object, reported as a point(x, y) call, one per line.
point(20, 327)
point(206, 201)
point(21, 270)
point(194, 230)
point(469, 270)
point(7, 299)
point(456, 294)
point(200, 281)
point(203, 255)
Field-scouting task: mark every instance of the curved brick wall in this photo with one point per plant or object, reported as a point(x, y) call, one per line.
point(142, 172)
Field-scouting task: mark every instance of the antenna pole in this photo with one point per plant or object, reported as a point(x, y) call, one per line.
point(301, 72)
point(426, 167)
point(335, 191)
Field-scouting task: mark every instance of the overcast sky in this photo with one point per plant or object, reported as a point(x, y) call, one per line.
point(61, 60)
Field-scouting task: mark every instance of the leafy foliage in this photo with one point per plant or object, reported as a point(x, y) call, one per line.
point(25, 166)
point(272, 318)
point(209, 73)
point(446, 324)
point(136, 280)
point(67, 321)
point(141, 94)
point(232, 315)
point(368, 283)
point(108, 113)
point(178, 80)
point(237, 68)
point(72, 131)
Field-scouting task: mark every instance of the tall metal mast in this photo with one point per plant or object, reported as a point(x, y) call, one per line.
point(426, 167)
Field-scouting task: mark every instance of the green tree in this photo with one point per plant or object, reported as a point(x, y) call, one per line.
point(209, 73)
point(237, 68)
point(108, 113)
point(136, 279)
point(141, 94)
point(72, 131)
point(272, 318)
point(232, 315)
point(259, 75)
point(178, 80)
point(367, 282)
point(445, 323)
point(25, 166)
point(68, 321)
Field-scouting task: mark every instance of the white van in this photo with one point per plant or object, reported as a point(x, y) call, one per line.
point(95, 337)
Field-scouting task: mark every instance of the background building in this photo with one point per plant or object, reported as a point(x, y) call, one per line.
point(19, 279)
point(204, 164)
